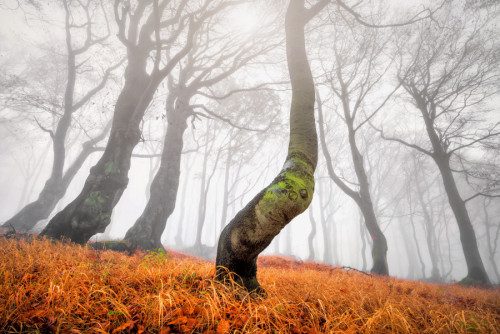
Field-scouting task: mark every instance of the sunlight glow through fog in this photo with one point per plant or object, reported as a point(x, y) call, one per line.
point(244, 19)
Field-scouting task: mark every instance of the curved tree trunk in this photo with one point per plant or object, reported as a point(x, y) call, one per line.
point(147, 231)
point(361, 197)
point(90, 212)
point(379, 246)
point(290, 193)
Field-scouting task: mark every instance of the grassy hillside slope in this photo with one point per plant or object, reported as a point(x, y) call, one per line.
point(54, 287)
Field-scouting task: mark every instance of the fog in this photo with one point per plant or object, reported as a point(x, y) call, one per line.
point(377, 149)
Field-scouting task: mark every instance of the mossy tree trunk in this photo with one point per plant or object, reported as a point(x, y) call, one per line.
point(90, 212)
point(290, 193)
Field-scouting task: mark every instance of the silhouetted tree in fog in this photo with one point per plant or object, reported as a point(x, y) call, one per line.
point(78, 17)
point(449, 66)
point(355, 71)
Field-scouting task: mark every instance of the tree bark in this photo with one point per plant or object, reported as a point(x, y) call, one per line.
point(290, 193)
point(147, 231)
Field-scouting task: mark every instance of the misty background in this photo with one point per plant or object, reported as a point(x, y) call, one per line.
point(236, 137)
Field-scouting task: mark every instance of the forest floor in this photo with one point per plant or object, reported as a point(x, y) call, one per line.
point(48, 287)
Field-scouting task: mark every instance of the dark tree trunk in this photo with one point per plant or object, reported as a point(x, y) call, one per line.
point(475, 266)
point(90, 212)
point(379, 246)
point(290, 193)
point(147, 231)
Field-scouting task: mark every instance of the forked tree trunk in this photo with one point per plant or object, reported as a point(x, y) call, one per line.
point(147, 231)
point(361, 197)
point(290, 193)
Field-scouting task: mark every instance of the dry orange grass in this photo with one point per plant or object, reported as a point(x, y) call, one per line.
point(55, 287)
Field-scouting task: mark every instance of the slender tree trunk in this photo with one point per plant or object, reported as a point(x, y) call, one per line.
point(312, 234)
point(204, 187)
point(290, 193)
point(379, 246)
point(225, 189)
point(55, 187)
point(475, 266)
point(419, 253)
point(329, 230)
point(361, 197)
point(178, 234)
point(492, 244)
point(147, 230)
point(202, 201)
point(410, 252)
point(430, 237)
point(362, 233)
